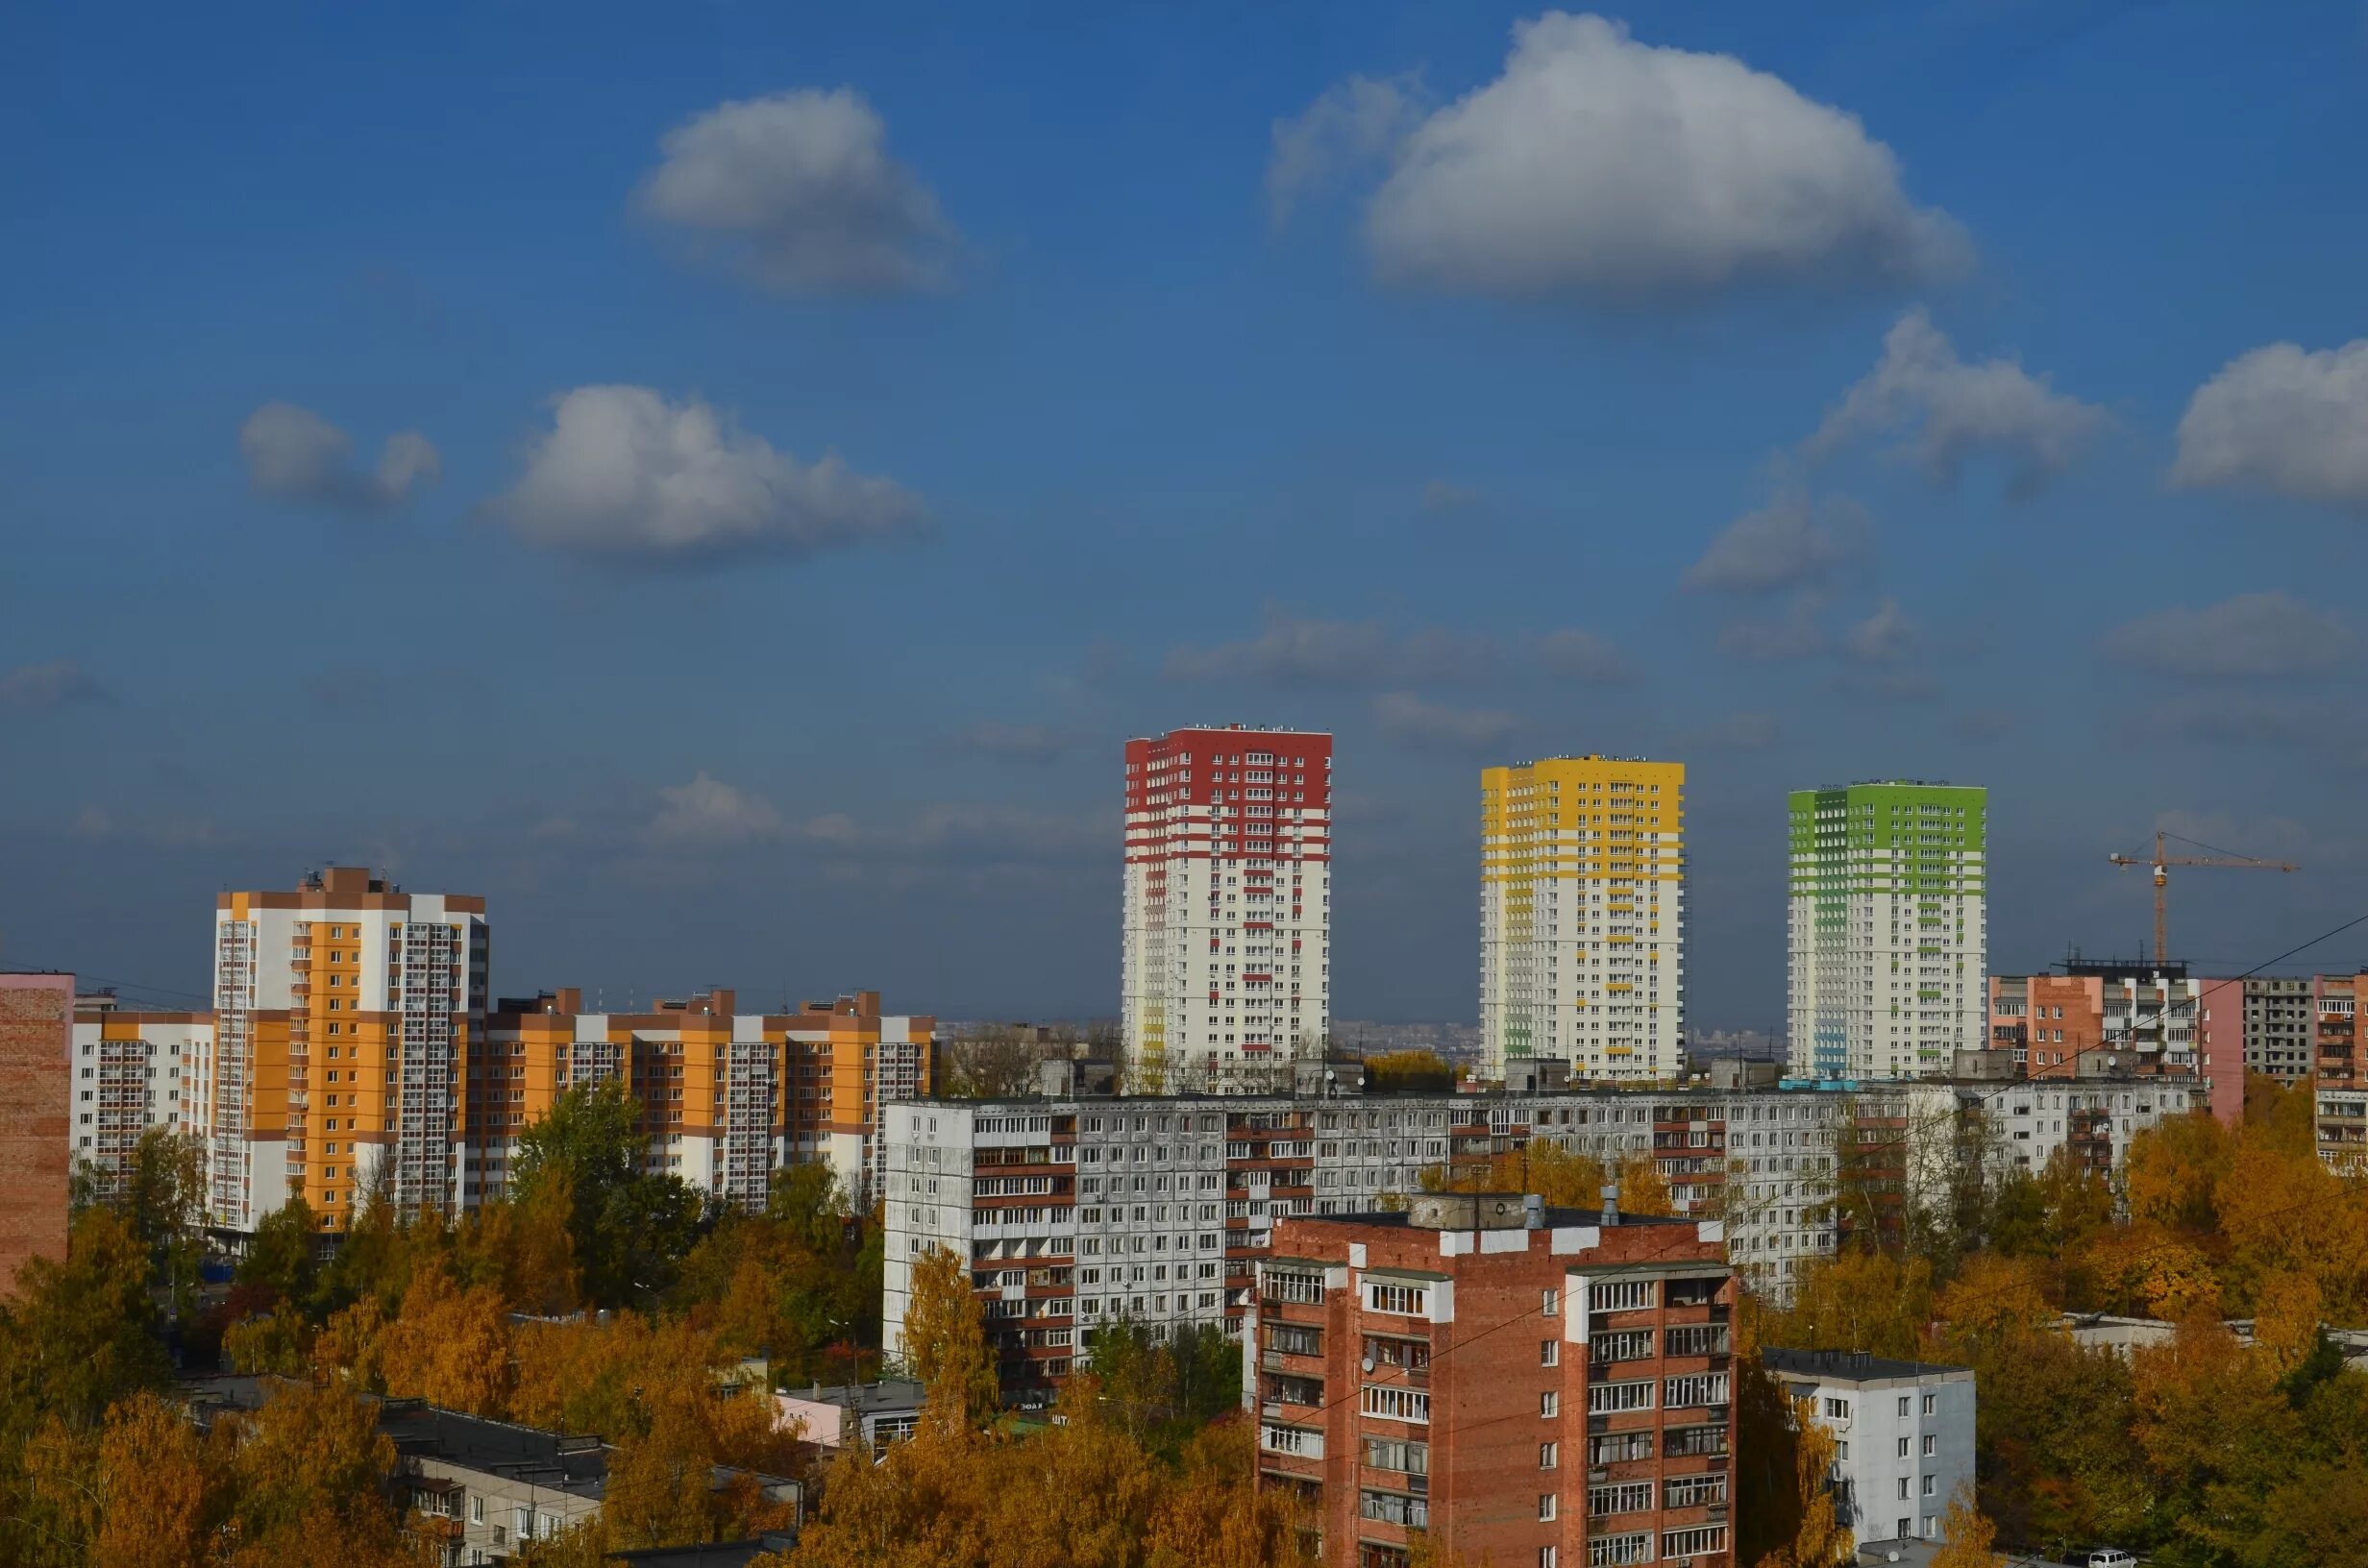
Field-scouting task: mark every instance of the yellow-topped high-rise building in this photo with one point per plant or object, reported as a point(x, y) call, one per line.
point(1582, 915)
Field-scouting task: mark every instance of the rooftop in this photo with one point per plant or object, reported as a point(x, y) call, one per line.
point(1851, 1365)
point(560, 1462)
point(867, 1398)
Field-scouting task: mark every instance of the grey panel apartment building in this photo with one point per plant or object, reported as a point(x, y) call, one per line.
point(1075, 1212)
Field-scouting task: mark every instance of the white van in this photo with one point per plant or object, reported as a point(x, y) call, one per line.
point(2112, 1557)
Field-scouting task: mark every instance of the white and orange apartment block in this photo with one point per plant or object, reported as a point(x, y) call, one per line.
point(1226, 948)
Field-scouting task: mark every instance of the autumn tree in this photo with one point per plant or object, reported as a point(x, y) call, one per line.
point(1819, 1538)
point(1857, 1300)
point(946, 1343)
point(1966, 1537)
point(449, 1346)
point(1409, 1072)
point(160, 1486)
point(308, 1477)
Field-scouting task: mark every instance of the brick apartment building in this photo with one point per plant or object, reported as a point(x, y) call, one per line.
point(2126, 1018)
point(37, 1029)
point(2340, 1047)
point(1530, 1386)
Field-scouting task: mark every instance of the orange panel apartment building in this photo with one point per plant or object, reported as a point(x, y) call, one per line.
point(1536, 1389)
point(727, 1097)
point(2125, 1019)
point(2340, 1040)
point(345, 1012)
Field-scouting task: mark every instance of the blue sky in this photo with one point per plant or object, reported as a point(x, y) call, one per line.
point(1975, 391)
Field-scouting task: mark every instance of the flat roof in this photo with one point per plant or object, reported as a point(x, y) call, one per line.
point(1851, 1365)
point(1555, 1218)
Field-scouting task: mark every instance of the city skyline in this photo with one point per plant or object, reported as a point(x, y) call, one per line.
point(747, 579)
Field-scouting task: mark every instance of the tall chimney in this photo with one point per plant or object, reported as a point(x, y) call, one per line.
point(1611, 1203)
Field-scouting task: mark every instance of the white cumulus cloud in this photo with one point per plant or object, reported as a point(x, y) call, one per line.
point(623, 470)
point(796, 190)
point(2282, 419)
point(294, 454)
point(1598, 164)
point(1958, 410)
point(1354, 123)
point(709, 812)
point(2250, 634)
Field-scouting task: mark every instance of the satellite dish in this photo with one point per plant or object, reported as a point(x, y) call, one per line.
point(1369, 1361)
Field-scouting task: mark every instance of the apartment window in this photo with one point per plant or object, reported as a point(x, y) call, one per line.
point(1407, 1300)
point(1549, 1403)
point(1545, 1556)
point(1700, 1388)
point(1931, 1445)
point(1551, 1303)
point(1607, 1398)
point(1546, 1508)
point(1412, 1458)
point(1630, 1497)
point(1695, 1491)
point(1931, 1403)
point(1398, 1404)
point(1620, 1295)
point(1549, 1456)
point(1903, 1404)
point(1930, 1481)
point(1549, 1352)
point(1627, 1345)
point(1838, 1409)
point(1698, 1541)
point(1903, 1487)
point(1608, 1551)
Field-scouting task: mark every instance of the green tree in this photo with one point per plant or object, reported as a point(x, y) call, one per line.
point(284, 1254)
point(629, 1228)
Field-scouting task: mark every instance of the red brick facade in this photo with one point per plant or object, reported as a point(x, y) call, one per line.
point(36, 1048)
point(1519, 1390)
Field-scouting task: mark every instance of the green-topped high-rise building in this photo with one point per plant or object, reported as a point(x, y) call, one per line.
point(1888, 928)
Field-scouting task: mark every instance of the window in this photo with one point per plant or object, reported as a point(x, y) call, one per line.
point(1695, 1491)
point(1604, 1551)
point(1619, 1446)
point(1397, 1403)
point(1903, 1486)
point(1549, 1352)
point(1929, 1483)
point(1903, 1404)
point(1549, 1456)
point(1697, 1541)
point(1903, 1448)
point(1931, 1445)
point(1838, 1409)
point(1409, 1300)
point(1931, 1403)
point(1549, 1405)
point(1551, 1303)
point(1700, 1388)
point(1545, 1556)
point(1396, 1509)
point(1399, 1454)
point(1629, 1497)
point(1604, 1398)
point(1415, 1355)
point(1626, 1345)
point(1620, 1295)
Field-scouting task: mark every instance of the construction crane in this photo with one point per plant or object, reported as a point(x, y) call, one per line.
point(2163, 861)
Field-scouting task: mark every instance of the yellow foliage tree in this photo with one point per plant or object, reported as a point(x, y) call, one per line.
point(1966, 1536)
point(1855, 1299)
point(449, 1346)
point(946, 1343)
point(161, 1486)
point(1821, 1539)
point(2285, 1322)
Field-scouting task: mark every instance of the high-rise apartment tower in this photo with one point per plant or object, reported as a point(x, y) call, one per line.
point(345, 1012)
point(1226, 950)
point(1583, 915)
point(1888, 930)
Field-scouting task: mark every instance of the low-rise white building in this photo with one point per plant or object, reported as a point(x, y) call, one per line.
point(1903, 1436)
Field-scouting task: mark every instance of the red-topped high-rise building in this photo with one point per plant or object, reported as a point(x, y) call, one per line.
point(1226, 954)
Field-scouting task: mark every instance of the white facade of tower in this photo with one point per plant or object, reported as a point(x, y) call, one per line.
point(1225, 953)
